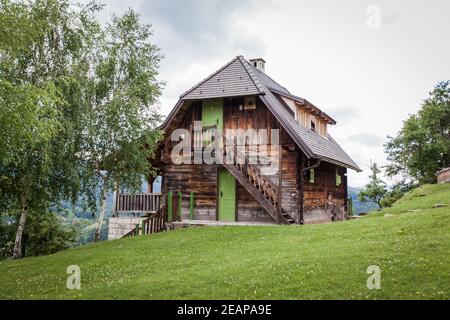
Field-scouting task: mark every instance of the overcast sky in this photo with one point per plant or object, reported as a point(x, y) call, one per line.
point(367, 73)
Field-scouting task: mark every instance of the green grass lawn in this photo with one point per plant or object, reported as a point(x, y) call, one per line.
point(329, 261)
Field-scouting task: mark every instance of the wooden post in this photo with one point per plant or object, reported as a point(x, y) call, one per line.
point(191, 207)
point(143, 227)
point(280, 177)
point(169, 206)
point(115, 195)
point(300, 179)
point(179, 217)
point(344, 181)
point(136, 229)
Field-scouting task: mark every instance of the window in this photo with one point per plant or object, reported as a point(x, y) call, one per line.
point(313, 126)
point(310, 175)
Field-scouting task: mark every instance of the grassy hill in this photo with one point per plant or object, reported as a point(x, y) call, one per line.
point(409, 242)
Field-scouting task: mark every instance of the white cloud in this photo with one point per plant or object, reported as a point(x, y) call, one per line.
point(367, 139)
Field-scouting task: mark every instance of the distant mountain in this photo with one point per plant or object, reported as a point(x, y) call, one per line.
point(359, 206)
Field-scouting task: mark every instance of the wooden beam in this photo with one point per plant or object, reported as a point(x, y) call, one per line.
point(300, 181)
point(280, 176)
point(191, 206)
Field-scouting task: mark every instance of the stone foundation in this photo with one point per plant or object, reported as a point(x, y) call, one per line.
point(118, 227)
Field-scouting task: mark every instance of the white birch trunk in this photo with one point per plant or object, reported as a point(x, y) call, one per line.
point(17, 252)
point(102, 210)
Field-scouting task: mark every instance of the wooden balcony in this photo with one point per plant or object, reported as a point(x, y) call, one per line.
point(138, 203)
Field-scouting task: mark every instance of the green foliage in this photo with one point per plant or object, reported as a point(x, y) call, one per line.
point(121, 122)
point(359, 206)
point(44, 51)
point(391, 197)
point(87, 232)
point(274, 262)
point(77, 103)
point(376, 189)
point(422, 147)
point(44, 235)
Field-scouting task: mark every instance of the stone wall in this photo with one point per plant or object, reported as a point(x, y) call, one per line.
point(118, 227)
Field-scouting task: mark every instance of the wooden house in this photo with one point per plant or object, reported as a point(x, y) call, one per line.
point(309, 184)
point(443, 176)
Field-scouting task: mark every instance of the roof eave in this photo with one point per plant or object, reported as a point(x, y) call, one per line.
point(339, 163)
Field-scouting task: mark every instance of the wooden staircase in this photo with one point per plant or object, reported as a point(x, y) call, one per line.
point(260, 186)
point(153, 224)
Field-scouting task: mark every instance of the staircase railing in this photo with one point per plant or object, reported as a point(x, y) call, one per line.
point(253, 174)
point(153, 224)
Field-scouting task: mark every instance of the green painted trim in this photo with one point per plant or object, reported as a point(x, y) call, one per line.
point(180, 215)
point(191, 206)
point(169, 206)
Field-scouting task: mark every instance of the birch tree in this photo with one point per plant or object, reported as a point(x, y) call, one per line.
point(122, 130)
point(43, 61)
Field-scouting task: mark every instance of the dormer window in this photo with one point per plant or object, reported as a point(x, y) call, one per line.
point(313, 126)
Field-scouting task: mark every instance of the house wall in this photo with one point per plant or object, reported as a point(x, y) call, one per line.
point(443, 176)
point(202, 179)
point(262, 118)
point(324, 201)
point(304, 117)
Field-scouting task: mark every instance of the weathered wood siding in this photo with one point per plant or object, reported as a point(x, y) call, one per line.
point(202, 179)
point(261, 118)
point(324, 201)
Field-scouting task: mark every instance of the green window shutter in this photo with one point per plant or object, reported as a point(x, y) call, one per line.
point(212, 115)
point(311, 175)
point(338, 179)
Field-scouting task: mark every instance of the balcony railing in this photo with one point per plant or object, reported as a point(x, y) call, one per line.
point(141, 202)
